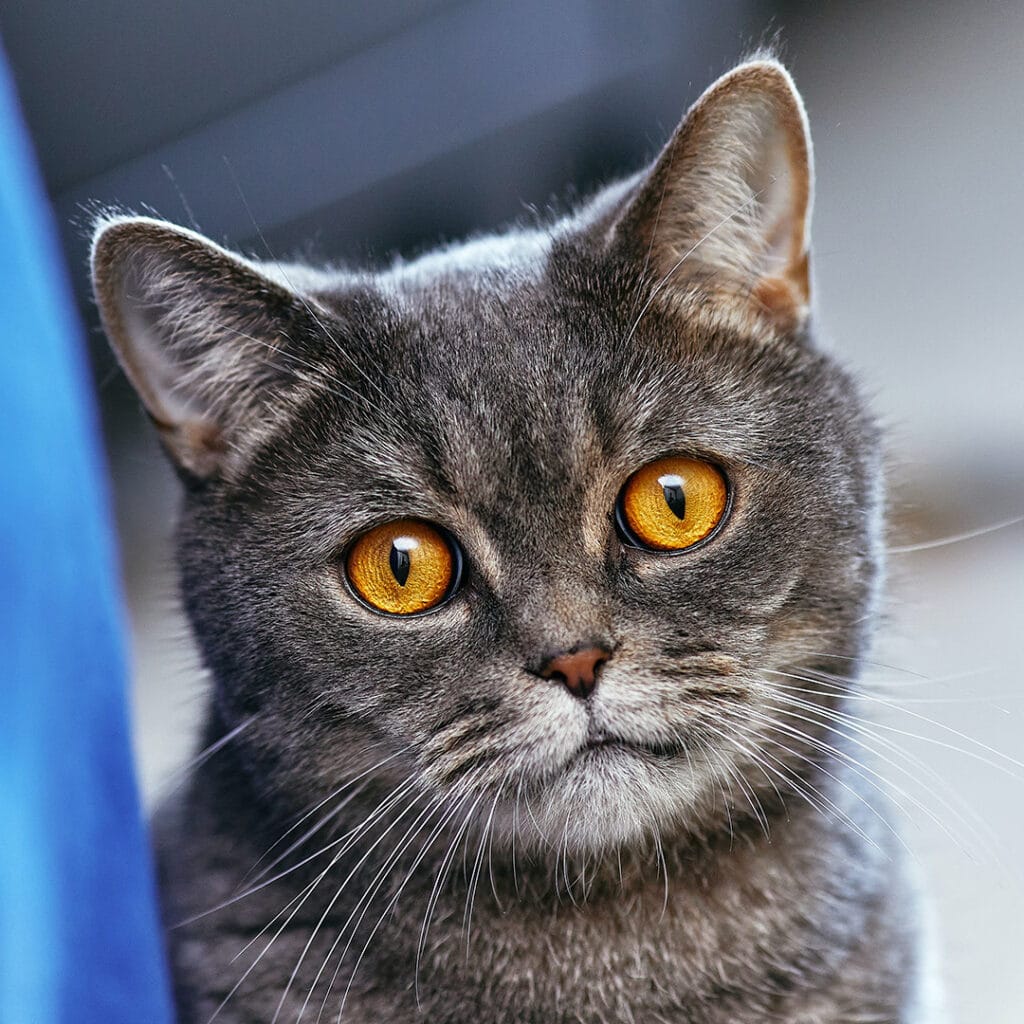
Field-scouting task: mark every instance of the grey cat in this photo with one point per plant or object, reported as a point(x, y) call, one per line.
point(533, 577)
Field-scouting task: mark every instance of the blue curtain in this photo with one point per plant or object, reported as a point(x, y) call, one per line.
point(79, 940)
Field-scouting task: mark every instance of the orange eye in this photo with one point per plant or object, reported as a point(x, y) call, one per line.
point(403, 567)
point(672, 504)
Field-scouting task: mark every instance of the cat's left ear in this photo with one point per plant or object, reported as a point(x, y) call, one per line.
point(724, 213)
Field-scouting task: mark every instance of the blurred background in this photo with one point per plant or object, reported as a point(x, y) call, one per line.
point(348, 131)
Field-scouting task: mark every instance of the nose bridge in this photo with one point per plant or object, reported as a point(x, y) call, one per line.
point(564, 617)
point(554, 586)
point(561, 608)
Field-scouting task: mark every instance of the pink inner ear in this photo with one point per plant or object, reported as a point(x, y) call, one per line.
point(777, 298)
point(784, 190)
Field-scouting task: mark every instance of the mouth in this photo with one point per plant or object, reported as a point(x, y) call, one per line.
point(601, 744)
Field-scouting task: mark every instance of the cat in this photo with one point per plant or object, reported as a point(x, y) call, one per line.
point(532, 576)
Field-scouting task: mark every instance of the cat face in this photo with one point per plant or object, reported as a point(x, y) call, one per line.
point(512, 402)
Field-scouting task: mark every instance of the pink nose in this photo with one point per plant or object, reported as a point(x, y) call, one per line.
point(576, 670)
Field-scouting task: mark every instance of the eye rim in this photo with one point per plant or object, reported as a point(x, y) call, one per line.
point(454, 585)
point(630, 539)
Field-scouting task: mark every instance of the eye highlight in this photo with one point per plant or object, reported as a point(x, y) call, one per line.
point(403, 567)
point(672, 504)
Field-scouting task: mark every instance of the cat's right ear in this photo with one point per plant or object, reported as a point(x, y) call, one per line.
point(202, 334)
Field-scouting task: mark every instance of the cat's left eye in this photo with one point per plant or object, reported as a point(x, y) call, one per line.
point(403, 567)
point(673, 504)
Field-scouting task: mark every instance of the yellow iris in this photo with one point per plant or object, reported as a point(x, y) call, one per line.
point(673, 503)
point(401, 567)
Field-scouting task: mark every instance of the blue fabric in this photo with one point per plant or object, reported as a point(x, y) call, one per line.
point(79, 940)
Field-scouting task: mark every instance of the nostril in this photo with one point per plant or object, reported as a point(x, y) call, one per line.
point(576, 670)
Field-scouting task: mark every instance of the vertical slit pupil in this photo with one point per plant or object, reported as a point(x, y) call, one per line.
point(400, 564)
point(675, 498)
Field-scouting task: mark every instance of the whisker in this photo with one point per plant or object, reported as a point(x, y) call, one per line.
point(441, 825)
point(886, 784)
point(752, 799)
point(855, 695)
point(769, 722)
point(442, 875)
point(305, 817)
point(864, 681)
point(380, 878)
point(709, 752)
point(347, 841)
point(860, 726)
point(467, 917)
point(178, 777)
point(956, 538)
point(337, 895)
point(860, 661)
point(367, 898)
point(965, 751)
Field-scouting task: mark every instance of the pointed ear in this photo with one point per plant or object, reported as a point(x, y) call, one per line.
point(725, 210)
point(202, 334)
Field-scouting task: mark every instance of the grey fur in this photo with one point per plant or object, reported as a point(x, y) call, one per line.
point(736, 863)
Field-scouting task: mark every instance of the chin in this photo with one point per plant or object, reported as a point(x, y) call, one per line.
point(609, 797)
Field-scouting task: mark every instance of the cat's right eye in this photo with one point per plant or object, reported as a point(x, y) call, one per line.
point(403, 567)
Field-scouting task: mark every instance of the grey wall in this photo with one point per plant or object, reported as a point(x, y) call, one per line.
point(290, 115)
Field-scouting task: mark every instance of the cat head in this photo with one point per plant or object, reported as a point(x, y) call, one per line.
point(544, 525)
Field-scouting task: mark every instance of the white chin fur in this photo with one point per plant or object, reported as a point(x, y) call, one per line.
point(605, 799)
